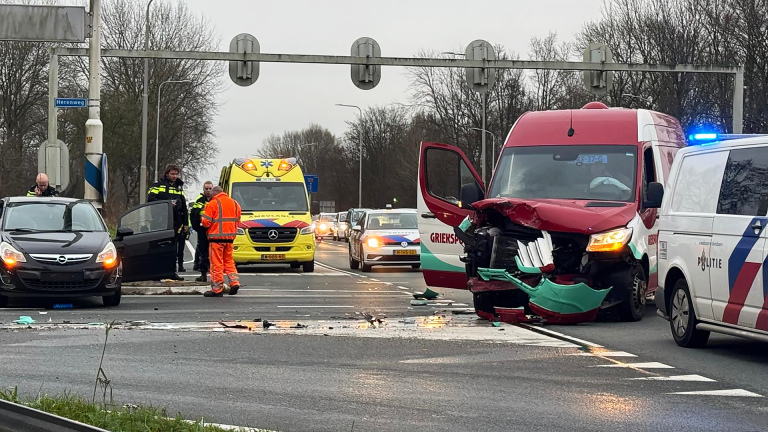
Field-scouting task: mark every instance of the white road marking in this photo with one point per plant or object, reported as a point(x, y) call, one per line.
point(319, 290)
point(690, 378)
point(562, 336)
point(605, 354)
point(731, 392)
point(646, 365)
point(308, 306)
point(402, 287)
point(375, 280)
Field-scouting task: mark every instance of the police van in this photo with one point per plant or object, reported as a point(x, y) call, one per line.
point(712, 240)
point(276, 223)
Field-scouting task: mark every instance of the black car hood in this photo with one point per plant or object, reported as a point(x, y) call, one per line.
point(59, 242)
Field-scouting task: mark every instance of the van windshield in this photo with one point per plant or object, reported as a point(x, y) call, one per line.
point(588, 172)
point(270, 196)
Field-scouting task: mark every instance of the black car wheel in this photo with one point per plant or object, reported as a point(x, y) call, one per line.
point(112, 300)
point(353, 263)
point(682, 318)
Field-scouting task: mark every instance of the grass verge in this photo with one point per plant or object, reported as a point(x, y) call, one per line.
point(128, 418)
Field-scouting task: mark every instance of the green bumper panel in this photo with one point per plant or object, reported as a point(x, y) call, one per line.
point(563, 299)
point(430, 262)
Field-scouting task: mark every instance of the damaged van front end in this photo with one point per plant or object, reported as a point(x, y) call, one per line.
point(561, 261)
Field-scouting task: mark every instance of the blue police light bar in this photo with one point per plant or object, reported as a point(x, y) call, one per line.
point(704, 136)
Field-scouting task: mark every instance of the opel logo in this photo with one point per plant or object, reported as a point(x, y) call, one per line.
point(404, 244)
point(61, 259)
point(272, 234)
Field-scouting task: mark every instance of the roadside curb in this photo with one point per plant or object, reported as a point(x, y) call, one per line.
point(165, 290)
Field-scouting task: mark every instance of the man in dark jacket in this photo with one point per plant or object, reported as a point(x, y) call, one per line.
point(201, 252)
point(42, 188)
point(170, 187)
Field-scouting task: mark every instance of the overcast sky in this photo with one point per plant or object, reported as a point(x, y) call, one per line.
point(293, 96)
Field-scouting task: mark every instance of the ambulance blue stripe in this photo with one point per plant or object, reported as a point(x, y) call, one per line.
point(741, 252)
point(267, 223)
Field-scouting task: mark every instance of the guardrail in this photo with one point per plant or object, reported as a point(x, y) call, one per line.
point(19, 418)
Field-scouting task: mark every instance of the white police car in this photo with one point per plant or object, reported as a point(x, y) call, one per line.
point(385, 237)
point(712, 240)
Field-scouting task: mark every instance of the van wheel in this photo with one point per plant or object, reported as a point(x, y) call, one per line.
point(112, 300)
point(353, 263)
point(682, 318)
point(308, 267)
point(633, 307)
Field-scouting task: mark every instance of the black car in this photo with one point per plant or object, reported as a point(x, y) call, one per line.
point(60, 247)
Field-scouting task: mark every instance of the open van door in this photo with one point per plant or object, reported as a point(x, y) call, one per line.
point(146, 242)
point(443, 171)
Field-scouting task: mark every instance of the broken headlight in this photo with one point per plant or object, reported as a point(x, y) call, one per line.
point(610, 241)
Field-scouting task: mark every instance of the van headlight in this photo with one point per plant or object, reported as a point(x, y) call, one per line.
point(108, 256)
point(240, 231)
point(307, 230)
point(609, 241)
point(10, 254)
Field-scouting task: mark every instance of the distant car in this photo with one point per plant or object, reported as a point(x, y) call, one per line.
point(385, 237)
point(324, 225)
point(60, 247)
point(341, 228)
point(354, 215)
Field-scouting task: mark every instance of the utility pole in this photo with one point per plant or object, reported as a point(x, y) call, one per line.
point(360, 175)
point(94, 129)
point(144, 102)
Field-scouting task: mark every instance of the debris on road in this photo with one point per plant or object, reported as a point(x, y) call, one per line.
point(266, 324)
point(25, 320)
point(428, 294)
point(418, 302)
point(299, 325)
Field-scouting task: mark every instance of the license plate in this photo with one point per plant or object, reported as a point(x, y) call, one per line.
point(405, 252)
point(61, 277)
point(272, 257)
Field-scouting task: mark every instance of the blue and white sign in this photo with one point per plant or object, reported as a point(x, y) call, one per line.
point(311, 180)
point(71, 102)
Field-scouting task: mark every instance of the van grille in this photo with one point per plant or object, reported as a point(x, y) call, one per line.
point(261, 235)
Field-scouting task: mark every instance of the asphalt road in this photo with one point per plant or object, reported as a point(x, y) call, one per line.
point(424, 368)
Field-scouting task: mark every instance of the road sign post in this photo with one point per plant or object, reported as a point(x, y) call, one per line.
point(54, 161)
point(481, 80)
point(244, 73)
point(366, 76)
point(312, 181)
point(598, 82)
point(71, 102)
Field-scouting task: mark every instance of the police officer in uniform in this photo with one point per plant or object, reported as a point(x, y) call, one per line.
point(170, 187)
point(42, 188)
point(202, 262)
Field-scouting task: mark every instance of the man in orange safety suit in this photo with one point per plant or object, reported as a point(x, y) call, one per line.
point(221, 217)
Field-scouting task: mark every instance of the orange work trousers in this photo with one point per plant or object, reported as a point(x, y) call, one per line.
point(222, 263)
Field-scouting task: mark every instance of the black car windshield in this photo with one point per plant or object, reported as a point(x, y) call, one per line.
point(588, 172)
point(270, 196)
point(42, 216)
point(398, 221)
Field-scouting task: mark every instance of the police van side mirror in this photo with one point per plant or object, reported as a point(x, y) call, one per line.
point(653, 195)
point(315, 208)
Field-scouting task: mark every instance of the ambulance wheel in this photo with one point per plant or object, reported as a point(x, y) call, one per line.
point(295, 265)
point(682, 318)
point(633, 306)
point(353, 263)
point(308, 267)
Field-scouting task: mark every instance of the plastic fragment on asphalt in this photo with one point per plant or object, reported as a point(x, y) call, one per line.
point(43, 313)
point(428, 294)
point(496, 323)
point(24, 319)
point(95, 324)
point(418, 302)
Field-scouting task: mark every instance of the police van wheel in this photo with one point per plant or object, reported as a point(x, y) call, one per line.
point(633, 307)
point(112, 300)
point(682, 318)
point(308, 267)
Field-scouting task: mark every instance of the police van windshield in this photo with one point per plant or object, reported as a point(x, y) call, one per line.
point(270, 196)
point(385, 221)
point(596, 172)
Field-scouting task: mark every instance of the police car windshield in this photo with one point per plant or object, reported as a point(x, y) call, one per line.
point(50, 217)
point(270, 196)
point(589, 172)
point(397, 221)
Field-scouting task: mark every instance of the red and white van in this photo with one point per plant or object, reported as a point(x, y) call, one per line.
point(573, 199)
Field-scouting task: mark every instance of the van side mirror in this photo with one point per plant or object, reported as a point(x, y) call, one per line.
point(470, 193)
point(315, 208)
point(654, 195)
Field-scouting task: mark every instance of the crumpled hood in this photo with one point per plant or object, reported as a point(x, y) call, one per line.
point(561, 215)
point(274, 220)
point(60, 242)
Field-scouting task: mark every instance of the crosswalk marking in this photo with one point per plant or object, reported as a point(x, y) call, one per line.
point(729, 392)
point(646, 365)
point(688, 378)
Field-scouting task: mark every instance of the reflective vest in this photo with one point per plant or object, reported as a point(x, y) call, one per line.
point(221, 216)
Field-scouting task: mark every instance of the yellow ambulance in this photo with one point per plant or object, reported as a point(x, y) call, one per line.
point(276, 224)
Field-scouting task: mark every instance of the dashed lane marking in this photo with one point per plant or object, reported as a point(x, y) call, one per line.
point(729, 392)
point(645, 365)
point(314, 306)
point(561, 336)
point(687, 378)
point(605, 354)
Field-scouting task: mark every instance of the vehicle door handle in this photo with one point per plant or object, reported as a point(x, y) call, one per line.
point(757, 226)
point(164, 243)
point(428, 215)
